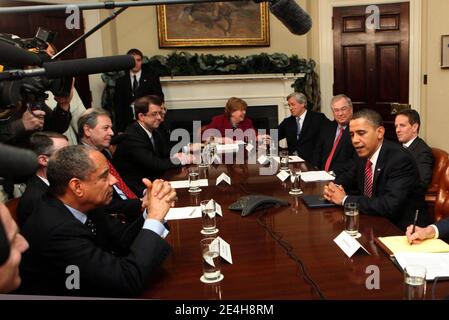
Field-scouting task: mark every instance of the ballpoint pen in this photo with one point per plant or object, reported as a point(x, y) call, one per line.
point(414, 222)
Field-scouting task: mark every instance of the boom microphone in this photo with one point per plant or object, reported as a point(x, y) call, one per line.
point(16, 162)
point(71, 68)
point(291, 15)
point(13, 56)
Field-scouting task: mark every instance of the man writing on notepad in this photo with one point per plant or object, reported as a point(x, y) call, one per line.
point(434, 231)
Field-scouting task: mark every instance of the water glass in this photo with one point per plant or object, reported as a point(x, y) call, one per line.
point(210, 250)
point(194, 181)
point(283, 155)
point(208, 213)
point(414, 282)
point(352, 218)
point(295, 176)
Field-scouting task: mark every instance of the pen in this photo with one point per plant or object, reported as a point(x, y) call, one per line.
point(414, 221)
point(191, 213)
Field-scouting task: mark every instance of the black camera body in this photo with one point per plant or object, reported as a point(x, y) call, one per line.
point(30, 92)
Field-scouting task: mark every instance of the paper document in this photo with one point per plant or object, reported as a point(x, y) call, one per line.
point(185, 183)
point(183, 213)
point(437, 264)
point(229, 147)
point(311, 176)
point(400, 244)
point(291, 159)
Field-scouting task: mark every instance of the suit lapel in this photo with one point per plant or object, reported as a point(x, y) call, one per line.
point(305, 125)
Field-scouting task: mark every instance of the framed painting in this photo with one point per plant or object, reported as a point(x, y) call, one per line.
point(445, 52)
point(207, 24)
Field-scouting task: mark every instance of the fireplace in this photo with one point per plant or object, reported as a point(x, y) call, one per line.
point(191, 98)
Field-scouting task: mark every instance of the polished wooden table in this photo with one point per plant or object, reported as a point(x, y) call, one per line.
point(273, 249)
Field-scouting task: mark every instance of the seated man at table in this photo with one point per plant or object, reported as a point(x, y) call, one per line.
point(384, 180)
point(439, 229)
point(68, 236)
point(144, 153)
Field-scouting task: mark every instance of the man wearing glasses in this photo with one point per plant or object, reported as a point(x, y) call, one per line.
point(144, 153)
point(334, 149)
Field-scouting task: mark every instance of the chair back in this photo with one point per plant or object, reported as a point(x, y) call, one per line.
point(441, 161)
point(442, 200)
point(12, 207)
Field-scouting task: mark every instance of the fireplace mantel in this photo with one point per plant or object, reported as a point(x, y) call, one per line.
point(192, 92)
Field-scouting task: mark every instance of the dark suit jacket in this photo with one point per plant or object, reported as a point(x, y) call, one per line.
point(422, 154)
point(123, 96)
point(135, 157)
point(117, 261)
point(344, 153)
point(310, 131)
point(35, 188)
point(443, 228)
point(397, 191)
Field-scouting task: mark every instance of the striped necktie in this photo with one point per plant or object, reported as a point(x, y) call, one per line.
point(368, 187)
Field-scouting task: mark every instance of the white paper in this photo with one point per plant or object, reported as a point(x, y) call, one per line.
point(437, 264)
point(348, 244)
point(262, 159)
point(311, 176)
point(283, 175)
point(183, 213)
point(223, 177)
point(218, 209)
point(229, 147)
point(249, 147)
point(225, 250)
point(185, 183)
point(293, 159)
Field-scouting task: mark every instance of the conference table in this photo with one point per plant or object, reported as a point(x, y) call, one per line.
point(283, 253)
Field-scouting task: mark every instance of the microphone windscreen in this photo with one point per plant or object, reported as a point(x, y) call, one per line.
point(77, 67)
point(291, 15)
point(16, 162)
point(12, 56)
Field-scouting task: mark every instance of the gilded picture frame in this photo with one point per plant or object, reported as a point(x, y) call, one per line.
point(445, 51)
point(239, 23)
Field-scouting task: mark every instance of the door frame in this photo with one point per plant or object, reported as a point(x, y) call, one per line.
point(326, 52)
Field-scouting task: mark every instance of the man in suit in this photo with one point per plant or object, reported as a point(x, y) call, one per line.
point(407, 123)
point(12, 246)
point(384, 181)
point(334, 150)
point(43, 144)
point(75, 249)
point(302, 128)
point(136, 83)
point(434, 231)
point(95, 131)
point(144, 153)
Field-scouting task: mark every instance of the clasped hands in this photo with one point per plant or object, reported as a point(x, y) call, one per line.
point(159, 198)
point(334, 193)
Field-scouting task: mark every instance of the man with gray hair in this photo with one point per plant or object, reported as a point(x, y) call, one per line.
point(69, 234)
point(384, 180)
point(334, 150)
point(302, 128)
point(95, 131)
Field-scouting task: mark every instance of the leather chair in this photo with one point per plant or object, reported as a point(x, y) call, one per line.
point(441, 163)
point(442, 200)
point(12, 207)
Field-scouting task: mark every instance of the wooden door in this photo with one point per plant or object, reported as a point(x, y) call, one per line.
point(26, 25)
point(371, 66)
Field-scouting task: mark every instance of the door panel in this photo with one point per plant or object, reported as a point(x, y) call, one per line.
point(371, 66)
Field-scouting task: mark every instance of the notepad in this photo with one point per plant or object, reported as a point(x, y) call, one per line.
point(397, 244)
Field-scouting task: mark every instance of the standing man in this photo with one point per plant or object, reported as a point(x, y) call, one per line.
point(43, 144)
point(144, 153)
point(136, 83)
point(302, 128)
point(384, 181)
point(334, 150)
point(407, 123)
point(69, 231)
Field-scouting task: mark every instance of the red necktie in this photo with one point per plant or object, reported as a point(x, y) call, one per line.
point(368, 190)
point(331, 155)
point(120, 183)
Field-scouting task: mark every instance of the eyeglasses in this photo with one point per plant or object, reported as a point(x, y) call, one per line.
point(155, 114)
